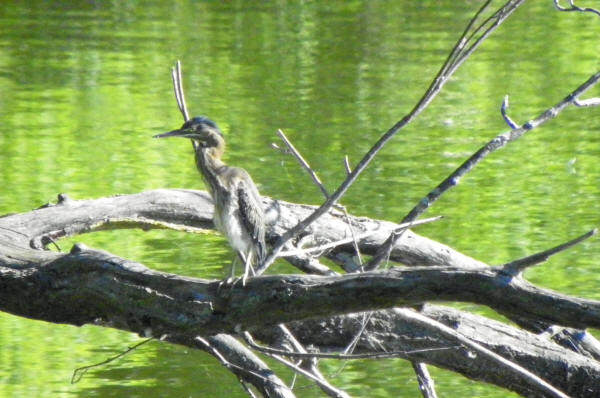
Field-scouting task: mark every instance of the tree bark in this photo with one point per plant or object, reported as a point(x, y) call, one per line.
point(115, 292)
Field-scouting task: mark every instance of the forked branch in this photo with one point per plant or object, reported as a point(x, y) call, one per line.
point(470, 40)
point(496, 143)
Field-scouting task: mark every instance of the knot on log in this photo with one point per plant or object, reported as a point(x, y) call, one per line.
point(78, 248)
point(63, 199)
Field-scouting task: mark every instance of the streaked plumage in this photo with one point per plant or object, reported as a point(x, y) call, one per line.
point(238, 208)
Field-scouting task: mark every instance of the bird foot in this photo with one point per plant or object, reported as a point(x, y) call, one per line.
point(231, 281)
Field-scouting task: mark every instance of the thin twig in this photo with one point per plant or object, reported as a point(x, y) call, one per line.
point(385, 250)
point(184, 111)
point(426, 384)
point(177, 76)
point(310, 265)
point(518, 266)
point(311, 365)
point(465, 38)
point(507, 118)
point(176, 91)
point(303, 162)
point(575, 8)
point(355, 340)
point(363, 325)
point(229, 365)
point(443, 76)
point(479, 349)
point(321, 382)
point(246, 388)
point(347, 165)
point(354, 239)
point(586, 102)
point(79, 372)
point(293, 151)
point(330, 245)
point(370, 355)
point(289, 336)
point(280, 149)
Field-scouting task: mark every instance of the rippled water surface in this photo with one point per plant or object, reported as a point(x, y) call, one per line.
point(85, 85)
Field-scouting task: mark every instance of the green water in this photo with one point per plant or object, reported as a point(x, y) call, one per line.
point(86, 84)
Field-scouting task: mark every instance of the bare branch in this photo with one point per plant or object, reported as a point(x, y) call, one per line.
point(79, 372)
point(324, 355)
point(573, 7)
point(303, 163)
point(247, 389)
point(586, 102)
point(242, 362)
point(354, 239)
point(456, 58)
point(177, 77)
point(174, 78)
point(363, 325)
point(309, 264)
point(507, 118)
point(323, 384)
point(311, 365)
point(293, 151)
point(516, 267)
point(384, 252)
point(498, 142)
point(347, 165)
point(479, 349)
point(475, 348)
point(426, 384)
point(330, 245)
point(178, 87)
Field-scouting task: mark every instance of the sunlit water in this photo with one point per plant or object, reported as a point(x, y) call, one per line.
point(85, 85)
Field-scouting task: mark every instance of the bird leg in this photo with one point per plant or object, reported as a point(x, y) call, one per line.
point(232, 269)
point(248, 267)
point(230, 280)
point(248, 270)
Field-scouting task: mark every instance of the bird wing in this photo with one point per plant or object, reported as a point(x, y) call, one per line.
point(252, 215)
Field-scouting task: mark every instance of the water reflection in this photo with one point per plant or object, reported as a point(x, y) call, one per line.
point(87, 84)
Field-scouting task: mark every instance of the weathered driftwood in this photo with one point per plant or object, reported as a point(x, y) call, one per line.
point(393, 331)
point(112, 291)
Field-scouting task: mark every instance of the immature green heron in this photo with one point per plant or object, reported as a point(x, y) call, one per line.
point(238, 210)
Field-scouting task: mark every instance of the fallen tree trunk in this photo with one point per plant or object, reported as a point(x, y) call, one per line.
point(114, 292)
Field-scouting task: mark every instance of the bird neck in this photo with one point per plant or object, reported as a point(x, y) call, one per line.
point(209, 164)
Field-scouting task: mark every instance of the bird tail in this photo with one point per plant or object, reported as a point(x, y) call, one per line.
point(261, 252)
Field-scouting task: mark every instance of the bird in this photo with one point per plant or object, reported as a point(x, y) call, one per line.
point(238, 212)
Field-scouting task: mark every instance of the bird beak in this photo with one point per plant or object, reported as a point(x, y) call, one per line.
point(175, 133)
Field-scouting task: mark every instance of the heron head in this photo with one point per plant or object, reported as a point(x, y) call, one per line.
point(200, 129)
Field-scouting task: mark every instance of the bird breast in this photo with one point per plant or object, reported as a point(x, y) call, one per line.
point(227, 221)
